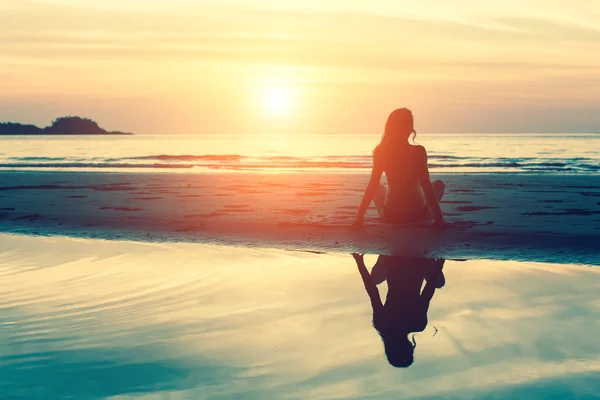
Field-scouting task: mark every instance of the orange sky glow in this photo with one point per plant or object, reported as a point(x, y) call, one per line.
point(273, 66)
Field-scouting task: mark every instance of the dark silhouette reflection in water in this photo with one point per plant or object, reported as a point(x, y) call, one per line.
point(406, 305)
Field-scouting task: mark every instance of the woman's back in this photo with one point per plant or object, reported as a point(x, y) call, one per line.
point(404, 308)
point(403, 168)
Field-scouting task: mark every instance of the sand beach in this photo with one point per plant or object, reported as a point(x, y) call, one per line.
point(544, 217)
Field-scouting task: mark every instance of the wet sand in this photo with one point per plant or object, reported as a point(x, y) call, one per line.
point(553, 218)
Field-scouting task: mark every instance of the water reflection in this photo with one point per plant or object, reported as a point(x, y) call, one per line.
point(405, 309)
point(82, 319)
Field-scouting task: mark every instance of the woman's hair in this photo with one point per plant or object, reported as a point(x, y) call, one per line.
point(399, 350)
point(398, 128)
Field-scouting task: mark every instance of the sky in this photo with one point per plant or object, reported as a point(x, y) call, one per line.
point(294, 66)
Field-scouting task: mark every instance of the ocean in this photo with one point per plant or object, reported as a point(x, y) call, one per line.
point(448, 153)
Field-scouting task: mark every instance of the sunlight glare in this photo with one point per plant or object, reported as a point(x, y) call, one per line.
point(277, 100)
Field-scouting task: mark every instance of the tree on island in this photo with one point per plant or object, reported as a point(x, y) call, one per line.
point(73, 126)
point(11, 128)
point(60, 126)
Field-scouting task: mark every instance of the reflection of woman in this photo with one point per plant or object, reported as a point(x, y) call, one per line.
point(405, 308)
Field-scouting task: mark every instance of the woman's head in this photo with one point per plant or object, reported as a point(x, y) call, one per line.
point(400, 124)
point(399, 350)
point(398, 128)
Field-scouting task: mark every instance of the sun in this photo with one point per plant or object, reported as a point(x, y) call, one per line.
point(277, 100)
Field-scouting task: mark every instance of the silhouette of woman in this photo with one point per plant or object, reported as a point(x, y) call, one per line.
point(410, 196)
point(405, 308)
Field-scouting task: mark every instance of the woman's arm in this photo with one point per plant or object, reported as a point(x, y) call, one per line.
point(370, 192)
point(427, 294)
point(430, 197)
point(370, 286)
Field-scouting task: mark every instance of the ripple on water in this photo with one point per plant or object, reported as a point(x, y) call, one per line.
point(93, 319)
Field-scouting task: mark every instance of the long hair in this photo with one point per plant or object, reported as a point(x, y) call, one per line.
point(398, 128)
point(399, 349)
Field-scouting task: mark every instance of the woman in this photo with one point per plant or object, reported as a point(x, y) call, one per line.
point(411, 196)
point(405, 308)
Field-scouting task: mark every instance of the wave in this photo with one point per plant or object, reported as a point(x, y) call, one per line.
point(238, 157)
point(210, 157)
point(92, 165)
point(297, 164)
point(37, 158)
point(352, 162)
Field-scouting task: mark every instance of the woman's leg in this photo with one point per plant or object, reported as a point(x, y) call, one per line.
point(378, 272)
point(433, 272)
point(439, 187)
point(379, 199)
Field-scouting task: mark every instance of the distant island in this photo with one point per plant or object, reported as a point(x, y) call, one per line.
point(60, 126)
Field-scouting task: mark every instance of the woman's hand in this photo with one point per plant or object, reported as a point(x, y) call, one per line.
point(358, 258)
point(439, 224)
point(357, 226)
point(360, 262)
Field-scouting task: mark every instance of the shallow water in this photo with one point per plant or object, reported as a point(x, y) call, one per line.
point(456, 153)
point(87, 319)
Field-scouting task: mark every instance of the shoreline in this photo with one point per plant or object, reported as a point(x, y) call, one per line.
point(580, 251)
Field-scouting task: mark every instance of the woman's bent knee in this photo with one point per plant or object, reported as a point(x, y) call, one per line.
point(381, 194)
point(379, 199)
point(439, 187)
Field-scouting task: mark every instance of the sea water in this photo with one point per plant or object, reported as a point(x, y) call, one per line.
point(448, 153)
